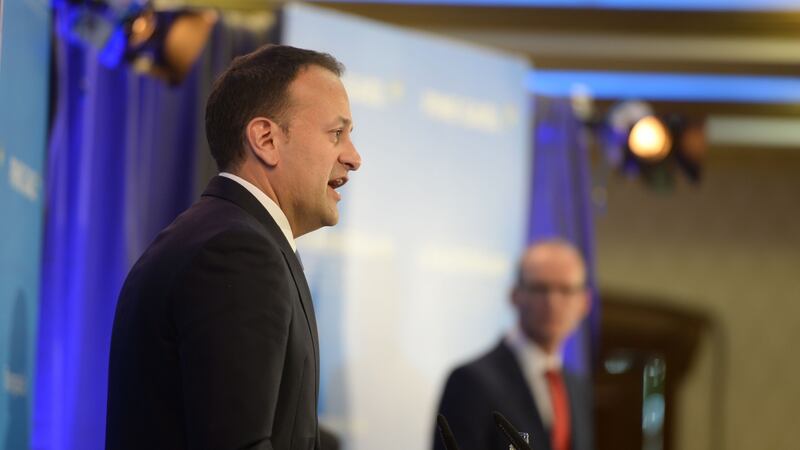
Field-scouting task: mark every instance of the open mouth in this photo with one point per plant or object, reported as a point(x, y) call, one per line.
point(336, 183)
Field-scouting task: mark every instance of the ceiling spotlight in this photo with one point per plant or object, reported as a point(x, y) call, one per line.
point(166, 44)
point(186, 40)
point(650, 139)
point(141, 28)
point(640, 143)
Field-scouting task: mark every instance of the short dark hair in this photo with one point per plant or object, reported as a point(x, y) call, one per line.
point(255, 85)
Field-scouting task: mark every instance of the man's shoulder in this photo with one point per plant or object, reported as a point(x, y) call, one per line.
point(212, 219)
point(485, 368)
point(211, 224)
point(213, 214)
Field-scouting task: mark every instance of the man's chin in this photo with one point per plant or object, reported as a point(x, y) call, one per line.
point(331, 218)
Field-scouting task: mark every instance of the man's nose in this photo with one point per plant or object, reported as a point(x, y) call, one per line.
point(351, 158)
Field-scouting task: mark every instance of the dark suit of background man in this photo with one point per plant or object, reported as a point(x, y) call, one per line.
point(522, 376)
point(214, 343)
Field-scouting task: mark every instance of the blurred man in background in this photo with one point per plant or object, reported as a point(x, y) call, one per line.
point(523, 376)
point(215, 342)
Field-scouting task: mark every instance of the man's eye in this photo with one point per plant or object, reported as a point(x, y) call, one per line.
point(337, 134)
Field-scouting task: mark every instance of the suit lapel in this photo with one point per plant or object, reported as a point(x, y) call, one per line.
point(529, 418)
point(308, 306)
point(230, 190)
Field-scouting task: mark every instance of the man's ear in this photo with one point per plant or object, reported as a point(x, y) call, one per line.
point(262, 136)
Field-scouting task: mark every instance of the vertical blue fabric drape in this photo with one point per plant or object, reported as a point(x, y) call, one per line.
point(561, 202)
point(127, 154)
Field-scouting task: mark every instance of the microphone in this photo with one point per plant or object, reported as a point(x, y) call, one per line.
point(510, 432)
point(446, 433)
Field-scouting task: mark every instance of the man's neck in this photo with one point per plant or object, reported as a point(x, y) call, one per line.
point(532, 352)
point(548, 347)
point(269, 204)
point(254, 177)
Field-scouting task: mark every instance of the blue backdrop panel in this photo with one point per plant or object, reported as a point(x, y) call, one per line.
point(24, 56)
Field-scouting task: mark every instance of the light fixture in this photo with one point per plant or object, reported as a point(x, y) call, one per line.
point(633, 139)
point(141, 28)
point(173, 45)
point(161, 43)
point(649, 139)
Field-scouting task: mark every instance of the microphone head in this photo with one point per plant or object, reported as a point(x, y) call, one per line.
point(510, 432)
point(446, 433)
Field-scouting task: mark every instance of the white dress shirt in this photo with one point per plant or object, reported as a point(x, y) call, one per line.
point(535, 363)
point(272, 208)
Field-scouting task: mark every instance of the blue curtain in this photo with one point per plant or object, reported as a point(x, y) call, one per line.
point(127, 154)
point(561, 202)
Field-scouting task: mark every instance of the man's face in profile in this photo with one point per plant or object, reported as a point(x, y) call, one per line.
point(317, 150)
point(551, 297)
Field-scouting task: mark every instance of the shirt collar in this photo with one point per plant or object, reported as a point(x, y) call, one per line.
point(530, 354)
point(272, 208)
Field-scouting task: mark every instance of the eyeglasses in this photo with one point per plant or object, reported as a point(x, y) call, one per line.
point(544, 289)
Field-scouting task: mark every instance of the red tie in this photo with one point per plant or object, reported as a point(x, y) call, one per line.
point(560, 431)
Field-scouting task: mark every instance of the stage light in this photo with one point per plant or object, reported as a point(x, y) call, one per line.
point(160, 43)
point(142, 28)
point(649, 139)
point(639, 143)
point(692, 148)
point(185, 41)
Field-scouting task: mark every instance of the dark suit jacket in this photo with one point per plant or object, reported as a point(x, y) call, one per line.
point(494, 382)
point(214, 343)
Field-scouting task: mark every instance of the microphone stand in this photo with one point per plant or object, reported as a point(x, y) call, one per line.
point(446, 433)
point(510, 432)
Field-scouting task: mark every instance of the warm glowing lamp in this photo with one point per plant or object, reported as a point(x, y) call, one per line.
point(142, 28)
point(649, 139)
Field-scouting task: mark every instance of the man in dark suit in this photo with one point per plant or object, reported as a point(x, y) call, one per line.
point(523, 376)
point(214, 343)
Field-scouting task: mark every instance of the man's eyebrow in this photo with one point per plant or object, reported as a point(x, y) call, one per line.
point(344, 121)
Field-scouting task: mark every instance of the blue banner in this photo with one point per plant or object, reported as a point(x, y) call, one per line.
point(24, 70)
